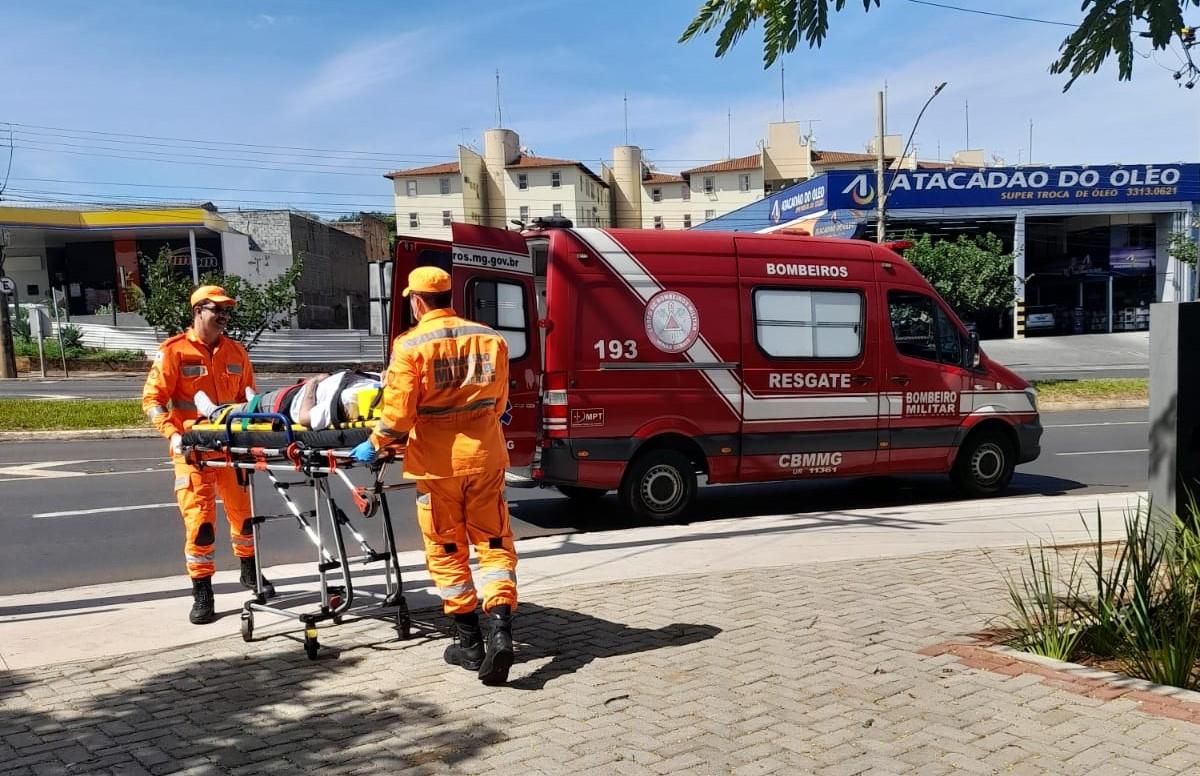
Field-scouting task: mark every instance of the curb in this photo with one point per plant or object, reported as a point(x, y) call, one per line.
point(150, 433)
point(80, 433)
point(1098, 404)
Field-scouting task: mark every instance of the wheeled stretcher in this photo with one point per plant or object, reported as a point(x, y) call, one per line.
point(269, 444)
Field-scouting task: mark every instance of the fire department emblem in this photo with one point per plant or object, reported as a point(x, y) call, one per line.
point(672, 321)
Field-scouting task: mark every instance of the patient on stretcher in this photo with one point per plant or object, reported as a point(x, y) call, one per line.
point(316, 403)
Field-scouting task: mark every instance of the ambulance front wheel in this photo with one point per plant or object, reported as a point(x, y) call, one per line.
point(659, 484)
point(985, 464)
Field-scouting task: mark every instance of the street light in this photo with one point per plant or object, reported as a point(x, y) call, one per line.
point(881, 202)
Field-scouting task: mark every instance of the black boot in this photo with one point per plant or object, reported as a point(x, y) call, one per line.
point(268, 590)
point(202, 602)
point(499, 657)
point(467, 649)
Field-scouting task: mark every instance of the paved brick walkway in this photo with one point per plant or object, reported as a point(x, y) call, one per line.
point(793, 670)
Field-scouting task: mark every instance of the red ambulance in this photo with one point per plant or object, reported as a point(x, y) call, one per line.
point(642, 359)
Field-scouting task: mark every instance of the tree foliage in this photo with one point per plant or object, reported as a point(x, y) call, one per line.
point(973, 275)
point(1182, 247)
point(1107, 29)
point(260, 308)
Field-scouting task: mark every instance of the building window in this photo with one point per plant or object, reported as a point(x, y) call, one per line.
point(658, 222)
point(808, 324)
point(524, 214)
point(656, 195)
point(685, 192)
point(555, 179)
point(710, 184)
point(744, 182)
point(522, 181)
point(445, 218)
point(444, 185)
point(557, 210)
point(410, 188)
point(710, 215)
point(687, 220)
point(501, 305)
point(414, 220)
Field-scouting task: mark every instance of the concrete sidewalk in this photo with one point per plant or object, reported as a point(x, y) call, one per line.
point(786, 644)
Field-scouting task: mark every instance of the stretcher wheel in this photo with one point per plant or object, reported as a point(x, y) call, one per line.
point(247, 625)
point(311, 646)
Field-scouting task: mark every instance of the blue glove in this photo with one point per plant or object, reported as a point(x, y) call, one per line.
point(364, 452)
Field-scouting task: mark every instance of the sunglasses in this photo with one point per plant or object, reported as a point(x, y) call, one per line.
point(216, 310)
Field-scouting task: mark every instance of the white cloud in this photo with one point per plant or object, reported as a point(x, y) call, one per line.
point(356, 70)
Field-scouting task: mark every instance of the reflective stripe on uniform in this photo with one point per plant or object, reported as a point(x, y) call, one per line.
point(453, 591)
point(475, 405)
point(383, 430)
point(234, 369)
point(181, 482)
point(243, 541)
point(206, 558)
point(497, 575)
point(450, 333)
point(177, 404)
point(194, 370)
point(155, 411)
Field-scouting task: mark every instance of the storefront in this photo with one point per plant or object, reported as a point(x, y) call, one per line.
point(95, 258)
point(1090, 242)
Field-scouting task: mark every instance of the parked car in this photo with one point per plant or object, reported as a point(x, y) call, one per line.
point(1040, 319)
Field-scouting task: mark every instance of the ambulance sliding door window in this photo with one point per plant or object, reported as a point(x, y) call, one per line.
point(501, 305)
point(808, 324)
point(921, 329)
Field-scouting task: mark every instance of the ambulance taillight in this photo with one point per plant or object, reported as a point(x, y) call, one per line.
point(554, 403)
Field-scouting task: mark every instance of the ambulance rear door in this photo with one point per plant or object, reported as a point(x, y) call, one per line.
point(494, 284)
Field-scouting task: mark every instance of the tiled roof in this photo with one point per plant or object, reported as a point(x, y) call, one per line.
point(434, 169)
point(751, 162)
point(661, 177)
point(841, 157)
point(525, 161)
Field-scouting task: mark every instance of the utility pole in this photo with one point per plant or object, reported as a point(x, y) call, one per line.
point(8, 359)
point(879, 225)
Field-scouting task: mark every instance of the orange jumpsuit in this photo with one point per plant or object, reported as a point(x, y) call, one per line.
point(446, 388)
point(183, 366)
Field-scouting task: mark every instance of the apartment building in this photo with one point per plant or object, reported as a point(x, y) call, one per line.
point(503, 184)
point(507, 183)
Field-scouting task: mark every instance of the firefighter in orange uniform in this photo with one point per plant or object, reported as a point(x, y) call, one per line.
point(203, 358)
point(446, 390)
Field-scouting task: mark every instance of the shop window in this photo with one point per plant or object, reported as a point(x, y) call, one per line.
point(808, 324)
point(501, 305)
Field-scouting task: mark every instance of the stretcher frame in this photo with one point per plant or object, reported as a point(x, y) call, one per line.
point(317, 466)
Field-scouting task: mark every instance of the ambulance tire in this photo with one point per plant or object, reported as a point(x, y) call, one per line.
point(984, 465)
point(581, 495)
point(659, 485)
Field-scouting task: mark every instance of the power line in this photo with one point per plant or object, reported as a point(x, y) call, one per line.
point(993, 13)
point(218, 142)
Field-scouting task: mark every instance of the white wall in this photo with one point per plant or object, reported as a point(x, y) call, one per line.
point(428, 204)
point(672, 206)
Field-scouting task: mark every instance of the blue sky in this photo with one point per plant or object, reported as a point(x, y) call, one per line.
point(406, 82)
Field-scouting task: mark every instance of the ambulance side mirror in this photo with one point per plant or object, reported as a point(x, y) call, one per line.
point(974, 356)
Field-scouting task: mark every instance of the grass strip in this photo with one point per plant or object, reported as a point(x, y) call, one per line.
point(63, 414)
point(1090, 390)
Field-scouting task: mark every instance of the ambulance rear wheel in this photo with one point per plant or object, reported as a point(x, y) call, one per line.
point(582, 495)
point(984, 465)
point(659, 484)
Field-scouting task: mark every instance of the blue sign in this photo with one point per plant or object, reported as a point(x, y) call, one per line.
point(838, 223)
point(798, 201)
point(999, 187)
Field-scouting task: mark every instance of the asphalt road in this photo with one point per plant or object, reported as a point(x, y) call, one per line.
point(84, 512)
